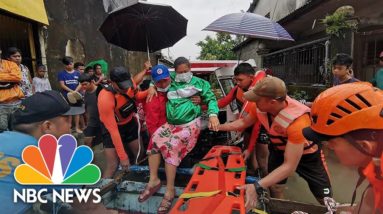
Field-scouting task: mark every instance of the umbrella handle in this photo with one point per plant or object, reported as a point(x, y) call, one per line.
point(240, 49)
point(147, 47)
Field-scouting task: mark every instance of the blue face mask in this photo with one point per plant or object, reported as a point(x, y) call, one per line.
point(184, 77)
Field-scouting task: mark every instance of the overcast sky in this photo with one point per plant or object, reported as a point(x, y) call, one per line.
point(200, 13)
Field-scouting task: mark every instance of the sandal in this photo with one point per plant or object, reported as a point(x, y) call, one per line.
point(165, 205)
point(148, 191)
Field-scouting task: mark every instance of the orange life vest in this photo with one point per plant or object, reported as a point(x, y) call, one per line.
point(376, 183)
point(123, 102)
point(277, 130)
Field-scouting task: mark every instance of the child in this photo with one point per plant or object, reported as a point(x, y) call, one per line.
point(341, 69)
point(176, 138)
point(93, 131)
point(68, 79)
point(40, 81)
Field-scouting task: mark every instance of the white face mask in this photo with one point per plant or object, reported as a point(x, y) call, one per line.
point(184, 77)
point(163, 89)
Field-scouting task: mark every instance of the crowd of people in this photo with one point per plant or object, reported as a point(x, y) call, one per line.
point(281, 134)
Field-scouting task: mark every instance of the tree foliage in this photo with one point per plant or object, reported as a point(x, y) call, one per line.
point(218, 48)
point(338, 23)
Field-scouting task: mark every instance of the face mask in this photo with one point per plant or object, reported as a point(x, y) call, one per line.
point(163, 89)
point(184, 77)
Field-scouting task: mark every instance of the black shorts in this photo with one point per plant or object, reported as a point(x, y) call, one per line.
point(263, 137)
point(128, 133)
point(95, 132)
point(310, 167)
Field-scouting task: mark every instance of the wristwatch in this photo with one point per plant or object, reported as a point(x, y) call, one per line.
point(259, 189)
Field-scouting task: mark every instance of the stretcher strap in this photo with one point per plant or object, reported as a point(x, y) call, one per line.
point(199, 194)
point(239, 169)
point(258, 211)
point(222, 155)
point(205, 194)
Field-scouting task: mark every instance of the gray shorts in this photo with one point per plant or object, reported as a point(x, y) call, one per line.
point(5, 112)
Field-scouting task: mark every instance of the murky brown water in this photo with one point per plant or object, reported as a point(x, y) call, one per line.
point(343, 180)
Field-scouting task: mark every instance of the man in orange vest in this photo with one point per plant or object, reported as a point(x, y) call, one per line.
point(349, 118)
point(245, 78)
point(283, 118)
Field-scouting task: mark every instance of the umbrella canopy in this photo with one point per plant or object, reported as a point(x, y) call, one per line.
point(103, 63)
point(250, 25)
point(144, 27)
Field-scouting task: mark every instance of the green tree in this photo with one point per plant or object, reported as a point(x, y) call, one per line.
point(218, 48)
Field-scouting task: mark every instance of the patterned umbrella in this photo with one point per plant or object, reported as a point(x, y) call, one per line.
point(250, 25)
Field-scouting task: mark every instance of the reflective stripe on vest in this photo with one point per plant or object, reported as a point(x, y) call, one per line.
point(278, 129)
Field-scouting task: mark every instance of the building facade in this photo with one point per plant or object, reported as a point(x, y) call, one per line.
point(61, 28)
point(307, 60)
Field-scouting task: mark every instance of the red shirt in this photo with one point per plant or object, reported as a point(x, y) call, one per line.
point(155, 112)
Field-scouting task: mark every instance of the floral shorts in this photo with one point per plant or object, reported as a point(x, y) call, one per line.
point(174, 142)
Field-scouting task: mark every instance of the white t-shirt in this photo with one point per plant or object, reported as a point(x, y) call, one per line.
point(41, 84)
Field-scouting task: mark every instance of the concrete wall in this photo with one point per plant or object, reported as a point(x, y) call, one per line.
point(277, 9)
point(249, 51)
point(73, 29)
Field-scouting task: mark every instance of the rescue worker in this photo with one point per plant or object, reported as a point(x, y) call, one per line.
point(117, 109)
point(349, 118)
point(283, 118)
point(245, 78)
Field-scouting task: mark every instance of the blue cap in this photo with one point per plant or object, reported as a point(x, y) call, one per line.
point(160, 72)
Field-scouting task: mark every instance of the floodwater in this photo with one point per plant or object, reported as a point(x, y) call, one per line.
point(343, 181)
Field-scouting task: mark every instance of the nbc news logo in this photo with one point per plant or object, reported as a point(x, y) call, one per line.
point(57, 162)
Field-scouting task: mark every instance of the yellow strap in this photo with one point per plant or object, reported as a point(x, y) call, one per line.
point(199, 194)
point(259, 211)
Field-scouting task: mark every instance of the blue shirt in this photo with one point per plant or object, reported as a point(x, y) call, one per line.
point(70, 80)
point(11, 148)
point(378, 79)
point(336, 81)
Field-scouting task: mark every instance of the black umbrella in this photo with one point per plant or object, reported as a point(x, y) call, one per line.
point(144, 27)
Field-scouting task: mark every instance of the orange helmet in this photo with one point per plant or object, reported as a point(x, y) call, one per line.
point(345, 108)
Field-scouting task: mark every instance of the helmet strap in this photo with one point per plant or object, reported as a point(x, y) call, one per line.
point(358, 183)
point(376, 158)
point(357, 145)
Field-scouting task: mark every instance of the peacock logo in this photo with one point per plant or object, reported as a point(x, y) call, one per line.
point(57, 162)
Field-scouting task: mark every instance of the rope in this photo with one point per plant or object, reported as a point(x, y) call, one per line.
point(330, 204)
point(139, 137)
